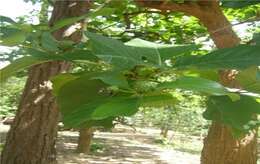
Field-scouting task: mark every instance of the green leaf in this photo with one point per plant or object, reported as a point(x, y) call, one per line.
point(6, 19)
point(78, 55)
point(105, 123)
point(116, 106)
point(48, 42)
point(256, 38)
point(248, 80)
point(73, 55)
point(66, 21)
point(66, 44)
point(106, 11)
point(112, 51)
point(80, 114)
point(113, 78)
point(195, 84)
point(60, 80)
point(159, 52)
point(238, 3)
point(83, 89)
point(39, 56)
point(135, 52)
point(12, 36)
point(207, 74)
point(18, 65)
point(157, 100)
point(89, 101)
point(72, 20)
point(236, 114)
point(239, 57)
point(87, 95)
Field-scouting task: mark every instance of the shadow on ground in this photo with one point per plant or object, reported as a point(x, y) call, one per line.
point(121, 148)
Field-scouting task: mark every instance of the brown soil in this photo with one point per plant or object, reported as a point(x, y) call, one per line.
point(118, 147)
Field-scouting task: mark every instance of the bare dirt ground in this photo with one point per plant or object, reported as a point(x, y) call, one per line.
point(125, 147)
point(121, 148)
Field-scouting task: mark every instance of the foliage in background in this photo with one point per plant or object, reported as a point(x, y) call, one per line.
point(10, 93)
point(185, 116)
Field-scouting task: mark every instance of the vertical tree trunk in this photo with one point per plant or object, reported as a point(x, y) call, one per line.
point(84, 141)
point(164, 130)
point(220, 147)
point(31, 138)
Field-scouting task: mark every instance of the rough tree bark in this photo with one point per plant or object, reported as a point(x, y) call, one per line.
point(31, 138)
point(220, 147)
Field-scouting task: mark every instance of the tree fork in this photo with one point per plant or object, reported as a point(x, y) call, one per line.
point(31, 139)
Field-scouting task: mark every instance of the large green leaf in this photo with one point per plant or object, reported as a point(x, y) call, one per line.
point(48, 42)
point(157, 100)
point(6, 19)
point(113, 51)
point(67, 21)
point(237, 114)
point(134, 52)
point(113, 78)
point(80, 114)
point(100, 109)
point(195, 84)
point(116, 106)
point(256, 38)
point(248, 80)
point(159, 52)
point(39, 56)
point(60, 80)
point(72, 55)
point(239, 57)
point(73, 92)
point(12, 36)
point(78, 90)
point(84, 103)
point(18, 65)
point(105, 123)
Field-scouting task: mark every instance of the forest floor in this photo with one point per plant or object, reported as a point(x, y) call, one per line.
point(126, 146)
point(123, 147)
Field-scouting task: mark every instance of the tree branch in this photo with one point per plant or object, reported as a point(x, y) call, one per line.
point(187, 7)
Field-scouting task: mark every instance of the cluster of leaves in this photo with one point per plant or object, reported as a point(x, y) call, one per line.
point(128, 21)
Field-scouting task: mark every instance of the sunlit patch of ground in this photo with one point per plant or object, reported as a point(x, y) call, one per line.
point(122, 148)
point(118, 147)
point(127, 147)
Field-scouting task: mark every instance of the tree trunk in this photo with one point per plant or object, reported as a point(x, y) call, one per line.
point(84, 141)
point(220, 147)
point(164, 131)
point(31, 139)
